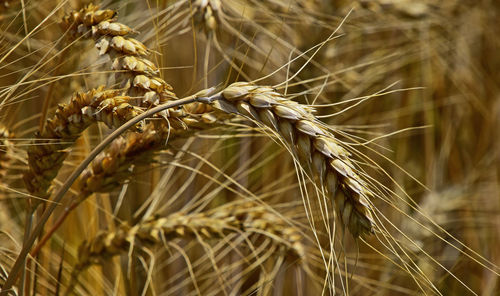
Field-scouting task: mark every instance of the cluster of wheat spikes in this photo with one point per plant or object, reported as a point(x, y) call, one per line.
point(285, 162)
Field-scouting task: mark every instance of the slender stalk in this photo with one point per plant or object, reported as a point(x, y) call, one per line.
point(56, 226)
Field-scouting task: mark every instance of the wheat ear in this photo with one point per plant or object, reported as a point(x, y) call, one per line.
point(111, 168)
point(312, 142)
point(235, 218)
point(139, 76)
point(46, 155)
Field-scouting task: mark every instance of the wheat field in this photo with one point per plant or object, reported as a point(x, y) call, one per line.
point(249, 147)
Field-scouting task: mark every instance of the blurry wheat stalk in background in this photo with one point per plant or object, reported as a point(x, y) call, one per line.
point(316, 147)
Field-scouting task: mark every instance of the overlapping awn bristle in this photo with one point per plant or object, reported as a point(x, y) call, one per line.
point(231, 218)
point(315, 146)
point(5, 148)
point(46, 155)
